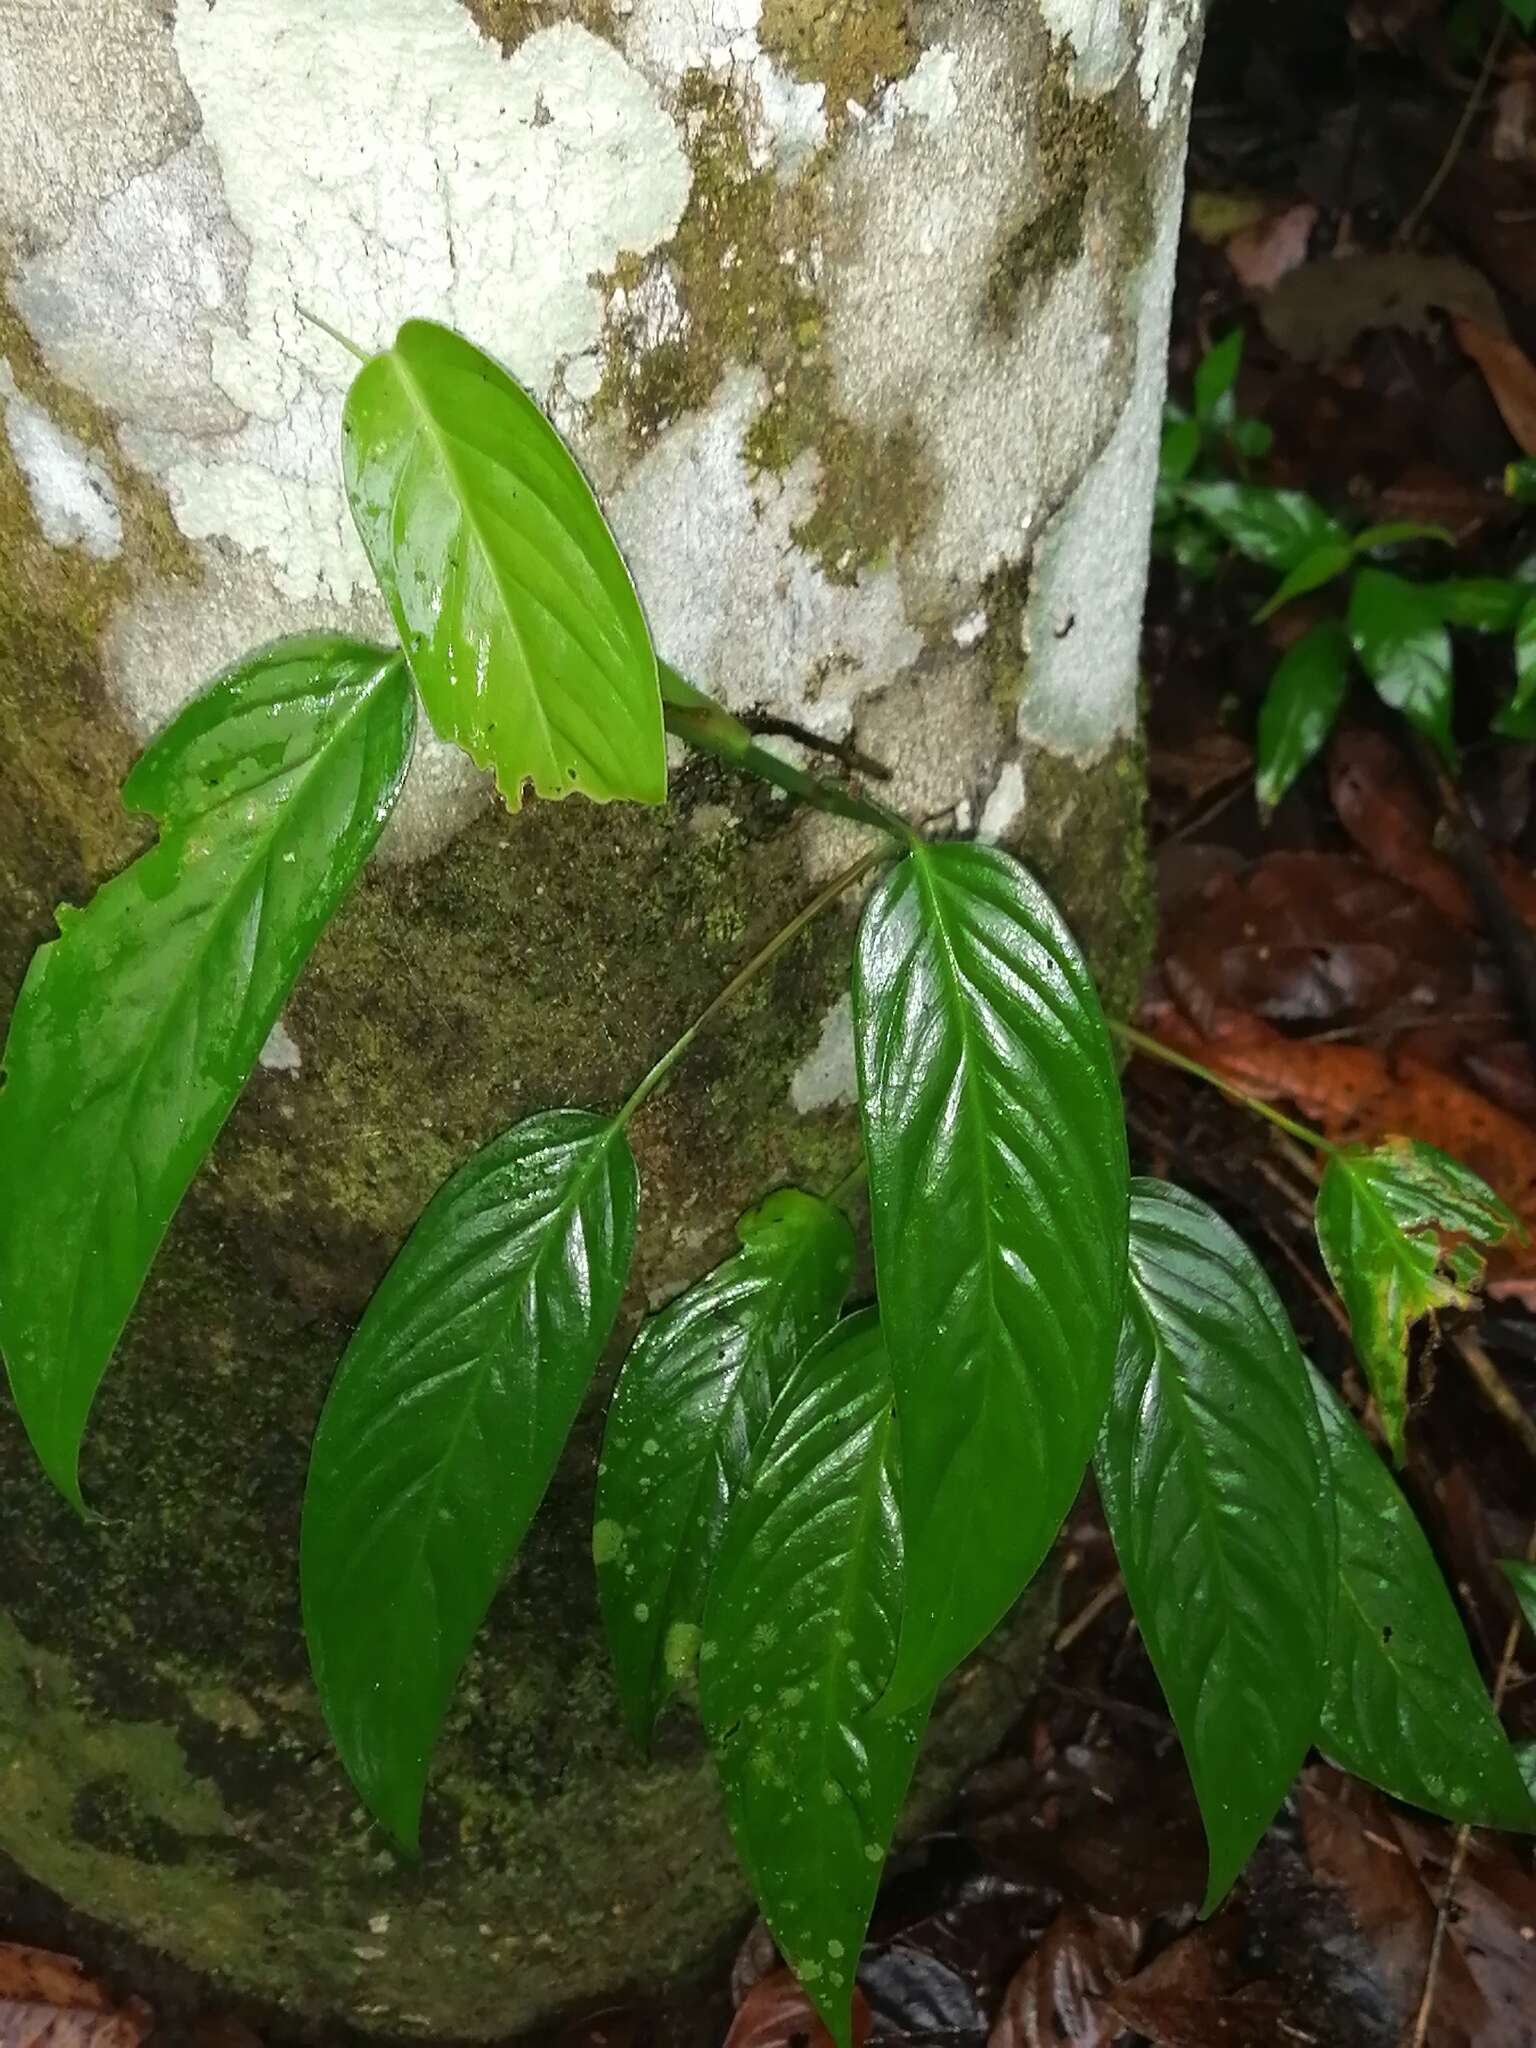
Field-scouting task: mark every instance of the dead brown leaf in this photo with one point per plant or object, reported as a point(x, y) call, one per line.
point(777, 2014)
point(1056, 2000)
point(1271, 248)
point(47, 2001)
point(1319, 312)
point(1511, 377)
point(1383, 809)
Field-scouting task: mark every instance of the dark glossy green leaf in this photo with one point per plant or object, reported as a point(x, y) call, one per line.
point(1276, 529)
point(1213, 1474)
point(799, 1637)
point(1399, 1225)
point(1180, 447)
point(1301, 707)
point(1479, 604)
point(690, 1402)
point(136, 1028)
point(446, 1420)
point(1522, 1576)
point(511, 599)
point(1406, 1709)
point(1397, 533)
point(1400, 636)
point(1215, 376)
point(1524, 12)
point(1524, 700)
point(1321, 567)
point(997, 1172)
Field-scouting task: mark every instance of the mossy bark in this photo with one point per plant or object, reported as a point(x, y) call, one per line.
point(163, 1765)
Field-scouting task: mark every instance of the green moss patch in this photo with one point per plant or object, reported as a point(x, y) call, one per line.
point(853, 47)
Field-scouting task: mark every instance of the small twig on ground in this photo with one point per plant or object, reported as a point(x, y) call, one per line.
point(1422, 2017)
point(1496, 1390)
point(1414, 218)
point(1089, 1613)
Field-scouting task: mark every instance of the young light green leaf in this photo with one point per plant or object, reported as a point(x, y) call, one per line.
point(1300, 707)
point(136, 1028)
point(1276, 529)
point(998, 1176)
point(1522, 1576)
point(1215, 376)
point(1406, 1709)
point(691, 1400)
point(1180, 446)
point(1213, 1475)
point(799, 1636)
point(1397, 533)
point(1401, 639)
point(1520, 477)
point(1322, 566)
point(1479, 604)
point(448, 1415)
point(512, 601)
point(1399, 1225)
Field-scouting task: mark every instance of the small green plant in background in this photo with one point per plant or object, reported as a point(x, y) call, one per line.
point(1395, 627)
point(809, 1514)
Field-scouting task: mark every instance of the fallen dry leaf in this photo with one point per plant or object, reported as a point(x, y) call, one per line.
point(1270, 249)
point(777, 2014)
point(1319, 312)
point(1511, 377)
point(1056, 2000)
point(47, 2001)
point(1383, 809)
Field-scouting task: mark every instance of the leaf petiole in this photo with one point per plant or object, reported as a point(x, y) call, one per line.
point(335, 333)
point(1143, 1042)
point(763, 957)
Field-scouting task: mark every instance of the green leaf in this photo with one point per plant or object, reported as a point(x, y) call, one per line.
point(1196, 549)
point(1401, 639)
point(1397, 533)
point(1213, 1475)
point(1406, 1709)
point(1180, 447)
point(690, 1402)
point(1251, 438)
point(1524, 698)
point(1300, 707)
point(1479, 604)
point(1398, 1225)
point(448, 1415)
point(1276, 529)
point(1522, 1576)
point(1520, 477)
point(136, 1028)
point(514, 606)
point(1522, 11)
point(997, 1170)
point(799, 1637)
point(1215, 376)
point(1312, 573)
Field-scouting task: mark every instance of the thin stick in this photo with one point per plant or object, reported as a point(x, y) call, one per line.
point(1458, 142)
point(1463, 1839)
point(1089, 1613)
point(785, 936)
point(1496, 1391)
point(335, 333)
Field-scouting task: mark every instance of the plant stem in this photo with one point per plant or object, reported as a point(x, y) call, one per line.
point(785, 936)
point(335, 333)
point(700, 722)
point(1140, 1041)
point(1463, 129)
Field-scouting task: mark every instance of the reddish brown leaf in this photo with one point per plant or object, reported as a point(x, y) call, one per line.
point(1383, 809)
point(1056, 2000)
point(1511, 377)
point(47, 2001)
point(1313, 938)
point(777, 2014)
point(1273, 247)
point(1392, 1870)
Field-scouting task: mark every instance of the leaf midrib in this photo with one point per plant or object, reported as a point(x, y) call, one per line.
point(262, 849)
point(429, 426)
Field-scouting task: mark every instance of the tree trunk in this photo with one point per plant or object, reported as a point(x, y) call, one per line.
point(855, 311)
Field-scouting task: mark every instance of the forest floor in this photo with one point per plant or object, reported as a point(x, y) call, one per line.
point(1363, 207)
